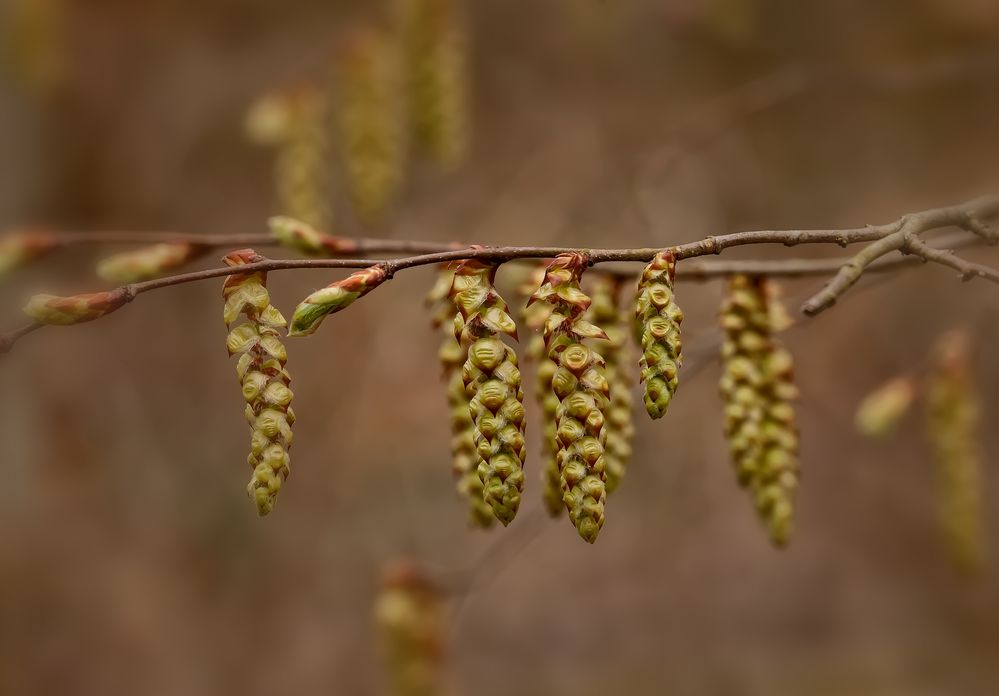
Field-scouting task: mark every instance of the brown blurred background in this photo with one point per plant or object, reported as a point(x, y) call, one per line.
point(130, 559)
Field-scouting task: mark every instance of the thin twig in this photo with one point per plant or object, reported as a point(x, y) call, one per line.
point(885, 238)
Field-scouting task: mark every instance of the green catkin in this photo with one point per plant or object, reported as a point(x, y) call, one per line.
point(295, 122)
point(436, 55)
point(534, 316)
point(953, 424)
point(605, 313)
point(758, 390)
point(657, 328)
point(581, 387)
point(410, 616)
point(464, 459)
point(493, 386)
point(261, 371)
point(371, 119)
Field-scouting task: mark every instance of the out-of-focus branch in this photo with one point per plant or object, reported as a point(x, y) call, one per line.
point(903, 236)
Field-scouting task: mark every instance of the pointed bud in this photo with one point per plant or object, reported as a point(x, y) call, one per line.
point(337, 296)
point(149, 262)
point(20, 249)
point(77, 309)
point(298, 235)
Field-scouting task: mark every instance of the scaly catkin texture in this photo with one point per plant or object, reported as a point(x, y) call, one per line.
point(581, 387)
point(492, 385)
point(410, 615)
point(436, 51)
point(953, 426)
point(657, 327)
point(534, 316)
point(758, 389)
point(464, 458)
point(371, 115)
point(605, 313)
point(261, 371)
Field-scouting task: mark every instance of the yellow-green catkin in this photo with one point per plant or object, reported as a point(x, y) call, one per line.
point(464, 458)
point(436, 50)
point(261, 371)
point(295, 122)
point(758, 390)
point(606, 313)
point(371, 118)
point(535, 315)
point(953, 424)
point(411, 618)
point(492, 384)
point(657, 327)
point(581, 387)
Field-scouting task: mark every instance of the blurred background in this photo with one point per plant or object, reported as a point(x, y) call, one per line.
point(131, 560)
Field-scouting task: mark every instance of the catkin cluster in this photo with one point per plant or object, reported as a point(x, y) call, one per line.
point(493, 386)
point(581, 387)
point(371, 118)
point(436, 54)
point(657, 327)
point(758, 390)
point(953, 424)
point(616, 352)
point(261, 371)
point(464, 458)
point(295, 121)
point(410, 616)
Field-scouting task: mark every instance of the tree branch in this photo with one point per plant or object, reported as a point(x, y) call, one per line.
point(900, 235)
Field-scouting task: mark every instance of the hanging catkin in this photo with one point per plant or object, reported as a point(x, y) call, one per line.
point(657, 326)
point(436, 55)
point(261, 371)
point(758, 389)
point(492, 385)
point(535, 315)
point(410, 616)
point(953, 426)
point(371, 117)
point(295, 122)
point(605, 313)
point(464, 459)
point(581, 387)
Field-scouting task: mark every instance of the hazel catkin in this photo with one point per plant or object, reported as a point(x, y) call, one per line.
point(657, 326)
point(580, 385)
point(464, 458)
point(493, 386)
point(410, 616)
point(262, 373)
point(605, 313)
point(953, 422)
point(758, 391)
